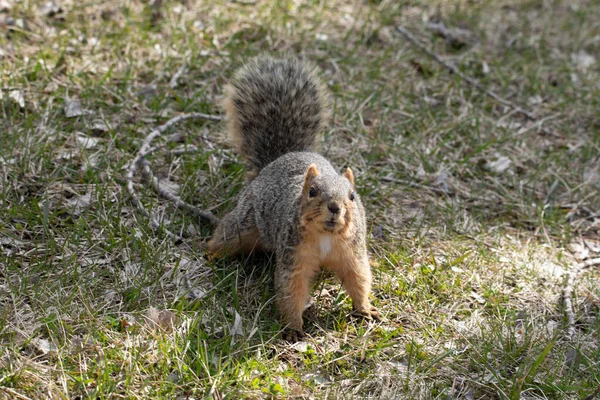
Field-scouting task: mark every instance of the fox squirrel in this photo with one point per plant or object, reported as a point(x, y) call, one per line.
point(295, 204)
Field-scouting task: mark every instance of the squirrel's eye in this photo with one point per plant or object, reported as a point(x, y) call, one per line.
point(352, 196)
point(313, 192)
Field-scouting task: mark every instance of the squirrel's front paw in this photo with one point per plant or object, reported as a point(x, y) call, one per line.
point(369, 312)
point(292, 335)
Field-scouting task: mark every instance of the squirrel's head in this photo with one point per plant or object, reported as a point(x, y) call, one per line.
point(328, 201)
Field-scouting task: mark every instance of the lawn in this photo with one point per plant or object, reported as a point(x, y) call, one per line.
point(477, 209)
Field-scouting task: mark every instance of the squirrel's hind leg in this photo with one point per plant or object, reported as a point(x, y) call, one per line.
point(236, 233)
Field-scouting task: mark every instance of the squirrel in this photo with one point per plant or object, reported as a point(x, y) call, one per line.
point(295, 203)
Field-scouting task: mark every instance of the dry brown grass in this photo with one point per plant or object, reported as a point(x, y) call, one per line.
point(476, 213)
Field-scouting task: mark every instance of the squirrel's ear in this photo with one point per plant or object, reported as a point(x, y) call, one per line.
point(311, 172)
point(349, 175)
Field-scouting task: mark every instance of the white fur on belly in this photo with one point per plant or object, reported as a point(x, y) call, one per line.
point(325, 243)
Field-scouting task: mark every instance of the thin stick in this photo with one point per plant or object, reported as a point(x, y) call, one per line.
point(175, 79)
point(568, 293)
point(144, 150)
point(409, 36)
point(182, 205)
point(14, 393)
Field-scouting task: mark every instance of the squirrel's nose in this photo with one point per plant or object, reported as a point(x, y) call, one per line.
point(333, 207)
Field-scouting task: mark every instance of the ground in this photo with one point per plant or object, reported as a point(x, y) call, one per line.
point(476, 213)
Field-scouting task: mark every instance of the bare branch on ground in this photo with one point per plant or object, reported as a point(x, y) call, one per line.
point(139, 159)
point(568, 293)
point(454, 69)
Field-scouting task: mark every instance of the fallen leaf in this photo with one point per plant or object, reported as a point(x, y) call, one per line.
point(44, 345)
point(379, 233)
point(236, 329)
point(5, 6)
point(163, 319)
point(591, 175)
point(535, 100)
point(99, 126)
point(319, 379)
point(583, 60)
point(7, 161)
point(18, 96)
point(480, 299)
point(168, 186)
point(50, 9)
point(485, 68)
point(148, 91)
point(579, 249)
point(593, 246)
point(499, 164)
point(301, 346)
point(87, 142)
point(73, 108)
point(455, 37)
point(79, 204)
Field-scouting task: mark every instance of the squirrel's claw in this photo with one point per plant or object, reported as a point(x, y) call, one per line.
point(370, 313)
point(292, 335)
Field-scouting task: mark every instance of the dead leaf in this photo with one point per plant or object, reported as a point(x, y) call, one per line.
point(301, 346)
point(168, 186)
point(317, 378)
point(44, 346)
point(455, 37)
point(236, 329)
point(591, 174)
point(580, 249)
point(99, 126)
point(87, 142)
point(535, 100)
point(197, 293)
point(5, 6)
point(184, 149)
point(322, 37)
point(583, 60)
point(379, 233)
point(163, 319)
point(498, 164)
point(441, 180)
point(7, 161)
point(147, 92)
point(79, 204)
point(593, 246)
point(50, 9)
point(18, 96)
point(485, 68)
point(479, 298)
point(73, 108)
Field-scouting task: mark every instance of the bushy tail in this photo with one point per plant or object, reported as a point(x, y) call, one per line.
point(273, 107)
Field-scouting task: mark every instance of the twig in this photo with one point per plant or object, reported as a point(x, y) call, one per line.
point(411, 38)
point(568, 292)
point(174, 80)
point(592, 262)
point(144, 150)
point(14, 393)
point(182, 205)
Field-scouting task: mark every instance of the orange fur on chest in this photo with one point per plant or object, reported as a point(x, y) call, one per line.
point(327, 250)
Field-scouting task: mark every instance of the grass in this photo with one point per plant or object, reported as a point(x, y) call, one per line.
point(94, 304)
